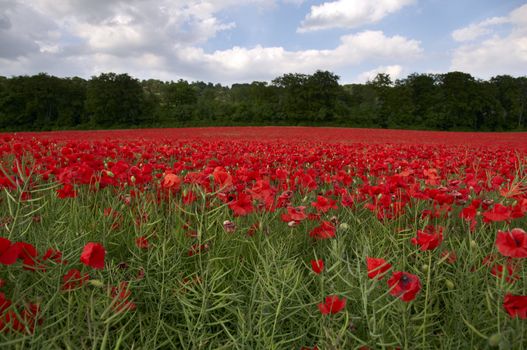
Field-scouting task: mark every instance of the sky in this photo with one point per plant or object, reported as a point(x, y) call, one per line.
point(236, 41)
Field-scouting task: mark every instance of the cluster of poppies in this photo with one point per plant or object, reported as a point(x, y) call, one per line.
point(304, 184)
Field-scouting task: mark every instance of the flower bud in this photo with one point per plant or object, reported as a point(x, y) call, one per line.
point(96, 283)
point(449, 284)
point(495, 340)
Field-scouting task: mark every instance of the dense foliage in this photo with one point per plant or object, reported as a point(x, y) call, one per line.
point(263, 238)
point(451, 101)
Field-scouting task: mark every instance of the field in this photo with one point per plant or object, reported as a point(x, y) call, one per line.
point(263, 238)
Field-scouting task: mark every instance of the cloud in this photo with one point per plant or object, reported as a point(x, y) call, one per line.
point(243, 64)
point(497, 53)
point(349, 13)
point(477, 30)
point(165, 41)
point(395, 72)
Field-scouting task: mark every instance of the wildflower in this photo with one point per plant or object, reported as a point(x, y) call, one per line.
point(516, 305)
point(323, 231)
point(93, 255)
point(404, 285)
point(317, 266)
point(512, 243)
point(376, 267)
point(142, 242)
point(332, 305)
point(429, 238)
point(73, 279)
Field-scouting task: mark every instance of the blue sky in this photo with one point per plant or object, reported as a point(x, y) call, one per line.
point(230, 41)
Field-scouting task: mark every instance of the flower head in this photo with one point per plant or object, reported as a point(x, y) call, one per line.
point(404, 285)
point(93, 255)
point(332, 305)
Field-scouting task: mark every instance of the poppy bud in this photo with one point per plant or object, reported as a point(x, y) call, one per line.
point(495, 340)
point(109, 173)
point(449, 284)
point(425, 267)
point(132, 179)
point(473, 244)
point(344, 226)
point(96, 283)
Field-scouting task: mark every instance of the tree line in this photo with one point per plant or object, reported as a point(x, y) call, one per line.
point(450, 101)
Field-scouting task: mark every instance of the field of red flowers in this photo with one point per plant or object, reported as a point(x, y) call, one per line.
point(263, 238)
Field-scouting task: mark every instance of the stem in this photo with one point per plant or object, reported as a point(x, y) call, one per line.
point(426, 295)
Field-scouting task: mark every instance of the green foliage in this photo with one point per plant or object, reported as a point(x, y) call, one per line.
point(451, 101)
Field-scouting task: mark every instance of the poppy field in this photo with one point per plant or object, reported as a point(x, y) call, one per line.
point(263, 238)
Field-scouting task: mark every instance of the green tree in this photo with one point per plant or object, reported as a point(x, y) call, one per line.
point(115, 99)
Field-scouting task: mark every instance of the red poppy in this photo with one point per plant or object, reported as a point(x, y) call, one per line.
point(429, 238)
point(222, 179)
point(242, 206)
point(323, 204)
point(171, 181)
point(8, 252)
point(332, 305)
point(449, 256)
point(512, 243)
point(296, 214)
point(93, 255)
point(376, 267)
point(404, 285)
point(323, 231)
point(197, 248)
point(516, 305)
point(142, 242)
point(67, 191)
point(317, 266)
point(510, 275)
point(121, 298)
point(73, 279)
point(53, 254)
point(27, 253)
point(498, 213)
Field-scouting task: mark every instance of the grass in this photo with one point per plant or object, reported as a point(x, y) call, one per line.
point(250, 292)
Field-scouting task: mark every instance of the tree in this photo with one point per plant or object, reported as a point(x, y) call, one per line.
point(115, 99)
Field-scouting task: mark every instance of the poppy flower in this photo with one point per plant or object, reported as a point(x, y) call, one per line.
point(429, 238)
point(317, 266)
point(510, 274)
point(73, 279)
point(332, 305)
point(516, 305)
point(242, 206)
point(142, 242)
point(324, 204)
point(53, 254)
point(512, 243)
point(171, 181)
point(8, 252)
point(294, 214)
point(67, 191)
point(27, 253)
point(93, 255)
point(498, 213)
point(121, 298)
point(222, 179)
point(404, 285)
point(323, 231)
point(376, 267)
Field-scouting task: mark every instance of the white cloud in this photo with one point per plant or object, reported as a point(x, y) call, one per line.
point(349, 13)
point(165, 41)
point(477, 30)
point(395, 72)
point(497, 53)
point(243, 64)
